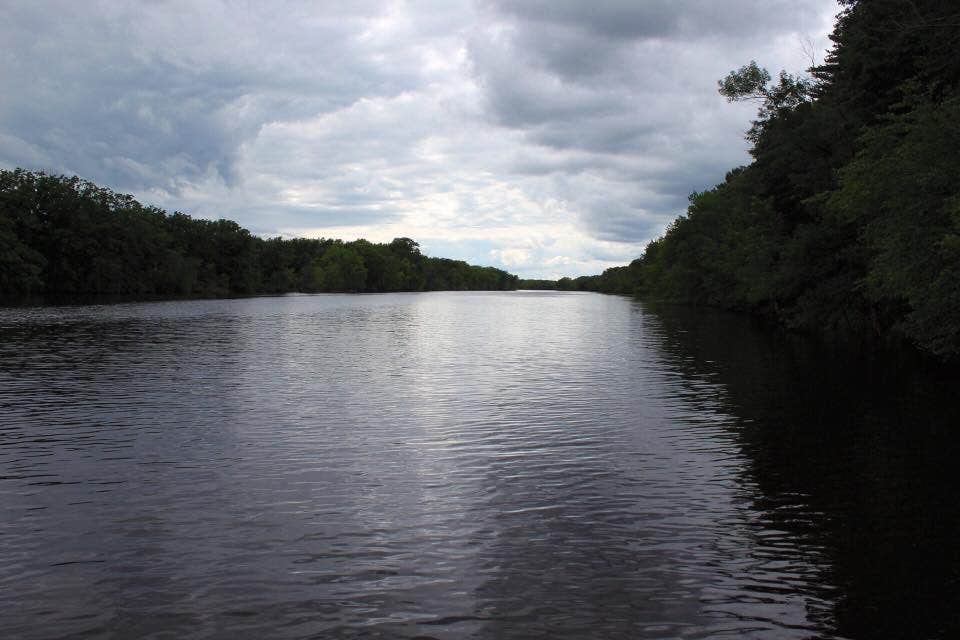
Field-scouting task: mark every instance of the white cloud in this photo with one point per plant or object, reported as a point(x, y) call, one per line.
point(537, 136)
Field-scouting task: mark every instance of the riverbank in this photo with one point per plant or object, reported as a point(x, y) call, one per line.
point(63, 236)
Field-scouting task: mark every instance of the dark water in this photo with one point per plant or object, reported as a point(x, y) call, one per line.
point(465, 465)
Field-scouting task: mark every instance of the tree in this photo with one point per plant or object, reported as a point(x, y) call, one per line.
point(64, 235)
point(20, 266)
point(343, 269)
point(752, 82)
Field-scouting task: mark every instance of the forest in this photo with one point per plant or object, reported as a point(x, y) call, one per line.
point(66, 236)
point(847, 219)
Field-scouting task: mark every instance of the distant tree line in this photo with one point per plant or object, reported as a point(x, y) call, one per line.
point(583, 283)
point(66, 236)
point(848, 218)
point(543, 285)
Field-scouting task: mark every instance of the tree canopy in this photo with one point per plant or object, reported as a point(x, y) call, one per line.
point(848, 218)
point(62, 235)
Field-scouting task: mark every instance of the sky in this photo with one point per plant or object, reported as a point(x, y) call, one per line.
point(547, 137)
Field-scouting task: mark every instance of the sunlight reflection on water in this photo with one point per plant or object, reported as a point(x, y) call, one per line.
point(459, 465)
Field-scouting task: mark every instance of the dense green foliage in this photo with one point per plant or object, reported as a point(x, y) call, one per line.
point(62, 235)
point(543, 285)
point(848, 218)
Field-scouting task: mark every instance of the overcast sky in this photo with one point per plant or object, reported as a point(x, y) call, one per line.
point(547, 137)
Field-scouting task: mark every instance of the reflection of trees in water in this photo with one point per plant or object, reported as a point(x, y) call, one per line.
point(854, 453)
point(581, 560)
point(620, 517)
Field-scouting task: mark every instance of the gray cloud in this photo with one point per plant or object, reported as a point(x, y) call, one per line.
point(144, 95)
point(613, 20)
point(552, 137)
point(619, 82)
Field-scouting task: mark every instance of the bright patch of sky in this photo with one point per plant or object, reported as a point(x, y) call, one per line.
point(546, 137)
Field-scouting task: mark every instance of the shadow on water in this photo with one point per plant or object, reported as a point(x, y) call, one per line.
point(630, 514)
point(853, 452)
point(465, 466)
point(86, 442)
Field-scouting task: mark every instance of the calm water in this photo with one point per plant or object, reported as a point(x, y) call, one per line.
point(464, 465)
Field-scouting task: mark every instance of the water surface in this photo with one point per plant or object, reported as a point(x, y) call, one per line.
point(464, 465)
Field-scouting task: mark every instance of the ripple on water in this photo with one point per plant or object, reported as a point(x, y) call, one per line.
point(452, 465)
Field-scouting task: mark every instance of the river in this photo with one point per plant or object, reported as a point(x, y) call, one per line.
point(465, 465)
